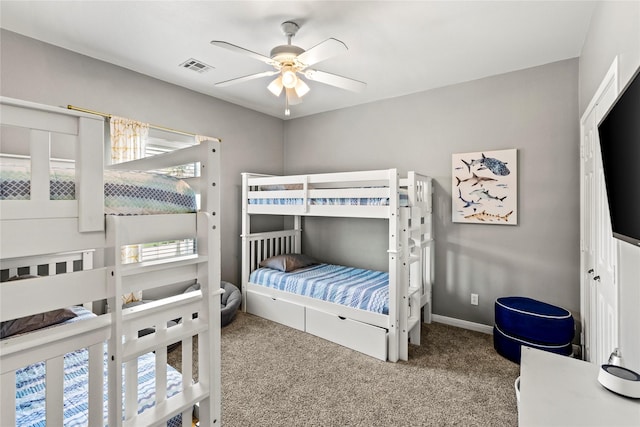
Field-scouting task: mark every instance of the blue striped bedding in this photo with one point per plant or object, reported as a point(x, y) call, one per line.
point(353, 287)
point(352, 201)
point(30, 387)
point(126, 192)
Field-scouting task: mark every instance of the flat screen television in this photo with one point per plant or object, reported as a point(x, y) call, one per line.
point(619, 134)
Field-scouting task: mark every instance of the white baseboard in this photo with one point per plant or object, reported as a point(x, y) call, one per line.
point(464, 324)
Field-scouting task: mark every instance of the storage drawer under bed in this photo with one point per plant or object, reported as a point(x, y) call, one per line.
point(277, 310)
point(362, 337)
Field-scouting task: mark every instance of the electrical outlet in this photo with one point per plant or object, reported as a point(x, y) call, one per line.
point(474, 299)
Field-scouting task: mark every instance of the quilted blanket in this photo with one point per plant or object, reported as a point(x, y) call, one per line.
point(126, 192)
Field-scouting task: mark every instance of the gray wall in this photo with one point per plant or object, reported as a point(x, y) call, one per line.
point(615, 31)
point(533, 110)
point(43, 73)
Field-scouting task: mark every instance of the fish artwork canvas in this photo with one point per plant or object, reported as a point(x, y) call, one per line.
point(485, 187)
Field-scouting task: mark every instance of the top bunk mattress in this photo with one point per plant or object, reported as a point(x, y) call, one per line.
point(262, 197)
point(332, 201)
point(126, 192)
point(354, 287)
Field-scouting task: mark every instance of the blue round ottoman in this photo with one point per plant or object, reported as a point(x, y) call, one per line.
point(525, 321)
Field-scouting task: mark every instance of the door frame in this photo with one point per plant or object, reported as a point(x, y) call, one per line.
point(588, 337)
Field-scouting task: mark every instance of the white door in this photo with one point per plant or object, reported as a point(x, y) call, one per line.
point(606, 253)
point(598, 247)
point(587, 233)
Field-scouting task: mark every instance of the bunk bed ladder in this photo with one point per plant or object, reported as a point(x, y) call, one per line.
point(415, 265)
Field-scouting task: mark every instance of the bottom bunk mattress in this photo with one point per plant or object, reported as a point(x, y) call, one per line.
point(30, 387)
point(353, 287)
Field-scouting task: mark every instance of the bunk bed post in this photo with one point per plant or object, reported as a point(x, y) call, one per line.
point(209, 245)
point(297, 225)
point(394, 267)
point(246, 229)
point(89, 177)
point(428, 251)
point(115, 347)
point(405, 298)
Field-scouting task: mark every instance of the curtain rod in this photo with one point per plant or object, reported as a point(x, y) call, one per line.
point(108, 116)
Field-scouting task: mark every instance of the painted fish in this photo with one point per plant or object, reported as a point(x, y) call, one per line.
point(497, 167)
point(482, 193)
point(467, 203)
point(484, 216)
point(475, 179)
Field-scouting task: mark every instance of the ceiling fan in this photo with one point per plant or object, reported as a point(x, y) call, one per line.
point(291, 62)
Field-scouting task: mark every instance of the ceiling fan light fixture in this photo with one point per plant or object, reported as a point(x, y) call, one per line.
point(276, 86)
point(301, 88)
point(289, 78)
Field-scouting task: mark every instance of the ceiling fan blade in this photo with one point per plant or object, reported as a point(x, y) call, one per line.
point(321, 51)
point(238, 49)
point(246, 78)
point(293, 97)
point(335, 80)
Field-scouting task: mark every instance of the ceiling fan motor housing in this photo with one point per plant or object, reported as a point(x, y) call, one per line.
point(286, 54)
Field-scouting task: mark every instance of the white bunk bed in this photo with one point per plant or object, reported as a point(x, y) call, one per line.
point(404, 202)
point(56, 240)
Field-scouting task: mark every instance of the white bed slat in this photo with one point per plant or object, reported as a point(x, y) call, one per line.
point(55, 391)
point(24, 238)
point(96, 384)
point(187, 360)
point(159, 278)
point(153, 228)
point(147, 267)
point(8, 399)
point(187, 418)
point(36, 209)
point(35, 116)
point(20, 351)
point(336, 179)
point(40, 150)
point(89, 175)
point(51, 292)
point(361, 211)
point(131, 388)
point(161, 372)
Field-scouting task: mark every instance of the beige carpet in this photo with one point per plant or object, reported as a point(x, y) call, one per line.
point(273, 375)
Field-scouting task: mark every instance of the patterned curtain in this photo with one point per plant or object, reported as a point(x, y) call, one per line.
point(128, 139)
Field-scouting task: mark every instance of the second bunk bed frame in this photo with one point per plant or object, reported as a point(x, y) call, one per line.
point(42, 231)
point(410, 256)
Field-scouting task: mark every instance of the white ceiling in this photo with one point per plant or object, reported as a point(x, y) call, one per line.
point(396, 47)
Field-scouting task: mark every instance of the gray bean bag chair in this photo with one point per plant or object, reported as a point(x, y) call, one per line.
point(229, 301)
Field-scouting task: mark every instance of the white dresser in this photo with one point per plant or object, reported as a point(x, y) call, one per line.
point(560, 391)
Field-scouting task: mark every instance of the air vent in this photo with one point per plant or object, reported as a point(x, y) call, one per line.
point(195, 65)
